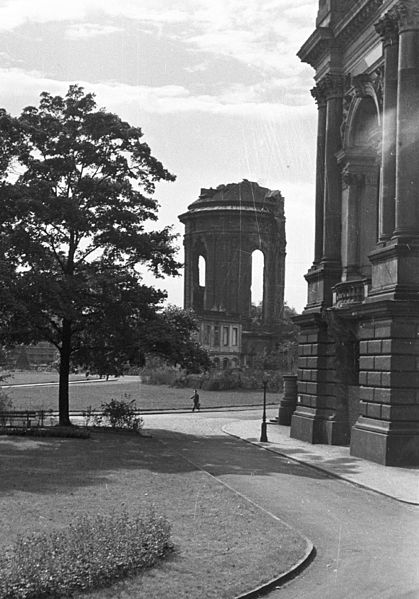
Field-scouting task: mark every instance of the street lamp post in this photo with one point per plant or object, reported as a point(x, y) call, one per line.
point(263, 435)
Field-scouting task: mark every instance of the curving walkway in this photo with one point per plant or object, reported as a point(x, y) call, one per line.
point(367, 544)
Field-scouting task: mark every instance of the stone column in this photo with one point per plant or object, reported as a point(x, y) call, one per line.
point(332, 87)
point(388, 30)
point(351, 183)
point(407, 162)
point(320, 99)
point(187, 291)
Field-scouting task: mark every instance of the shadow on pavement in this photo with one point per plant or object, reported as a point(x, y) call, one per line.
point(60, 465)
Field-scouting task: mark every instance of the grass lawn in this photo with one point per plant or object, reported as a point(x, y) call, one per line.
point(224, 545)
point(148, 397)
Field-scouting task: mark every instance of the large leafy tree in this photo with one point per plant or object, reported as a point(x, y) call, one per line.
point(76, 187)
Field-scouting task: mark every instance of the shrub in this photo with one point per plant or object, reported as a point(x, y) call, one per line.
point(91, 552)
point(158, 372)
point(91, 418)
point(122, 414)
point(6, 405)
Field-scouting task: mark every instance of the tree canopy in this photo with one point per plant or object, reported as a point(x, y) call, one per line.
point(76, 188)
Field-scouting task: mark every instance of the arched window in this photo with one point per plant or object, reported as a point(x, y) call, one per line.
point(202, 266)
point(362, 234)
point(199, 279)
point(258, 265)
point(364, 126)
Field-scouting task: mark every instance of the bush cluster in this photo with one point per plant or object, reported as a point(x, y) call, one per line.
point(122, 414)
point(90, 553)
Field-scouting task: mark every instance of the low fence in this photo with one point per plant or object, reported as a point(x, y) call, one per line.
point(25, 418)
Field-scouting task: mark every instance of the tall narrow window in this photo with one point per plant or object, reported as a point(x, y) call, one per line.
point(202, 265)
point(258, 263)
point(235, 336)
point(226, 331)
point(207, 335)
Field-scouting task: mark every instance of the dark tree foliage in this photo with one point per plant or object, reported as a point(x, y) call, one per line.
point(76, 186)
point(172, 337)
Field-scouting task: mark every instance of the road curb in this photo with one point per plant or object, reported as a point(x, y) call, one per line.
point(285, 576)
point(295, 569)
point(320, 469)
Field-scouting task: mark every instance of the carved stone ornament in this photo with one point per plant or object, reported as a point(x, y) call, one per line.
point(347, 101)
point(370, 85)
point(408, 13)
point(319, 96)
point(350, 178)
point(331, 86)
point(362, 85)
point(378, 84)
point(388, 28)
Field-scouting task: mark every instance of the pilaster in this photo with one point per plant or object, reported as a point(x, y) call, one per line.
point(318, 417)
point(320, 98)
point(407, 161)
point(332, 87)
point(388, 30)
point(352, 182)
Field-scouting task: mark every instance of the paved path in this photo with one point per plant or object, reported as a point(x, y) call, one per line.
point(367, 544)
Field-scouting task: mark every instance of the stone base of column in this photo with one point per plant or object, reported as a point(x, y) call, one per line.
point(321, 278)
point(318, 417)
point(387, 429)
point(313, 428)
point(387, 444)
point(395, 271)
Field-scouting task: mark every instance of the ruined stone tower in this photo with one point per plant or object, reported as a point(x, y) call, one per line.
point(223, 227)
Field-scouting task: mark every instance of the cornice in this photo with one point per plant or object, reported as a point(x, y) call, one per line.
point(326, 39)
point(348, 28)
point(317, 45)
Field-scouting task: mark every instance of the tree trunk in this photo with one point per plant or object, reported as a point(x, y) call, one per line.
point(63, 392)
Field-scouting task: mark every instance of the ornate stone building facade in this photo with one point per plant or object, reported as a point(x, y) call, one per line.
point(222, 230)
point(359, 344)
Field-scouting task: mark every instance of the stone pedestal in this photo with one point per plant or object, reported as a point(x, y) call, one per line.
point(288, 402)
point(387, 430)
point(318, 417)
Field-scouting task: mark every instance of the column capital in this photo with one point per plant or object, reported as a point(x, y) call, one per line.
point(408, 14)
point(388, 28)
point(362, 85)
point(332, 86)
point(319, 96)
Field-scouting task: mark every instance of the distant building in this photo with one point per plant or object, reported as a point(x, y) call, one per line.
point(358, 380)
point(223, 228)
point(26, 356)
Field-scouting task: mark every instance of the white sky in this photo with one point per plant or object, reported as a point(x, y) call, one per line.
point(215, 85)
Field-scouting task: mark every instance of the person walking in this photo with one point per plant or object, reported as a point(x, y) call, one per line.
point(196, 404)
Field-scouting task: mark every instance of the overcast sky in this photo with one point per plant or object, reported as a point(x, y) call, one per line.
point(215, 85)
